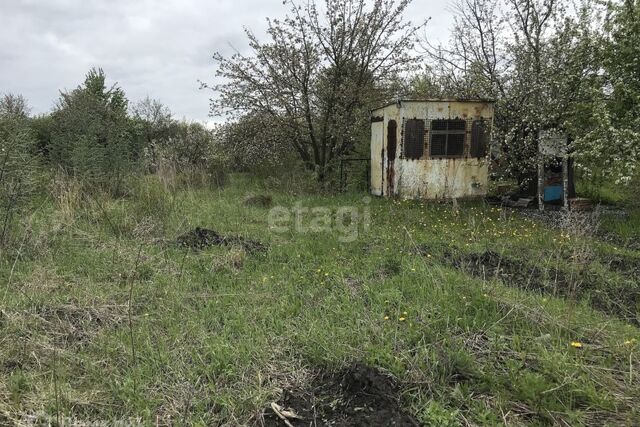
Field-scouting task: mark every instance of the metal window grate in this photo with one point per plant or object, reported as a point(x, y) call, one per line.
point(480, 131)
point(447, 138)
point(413, 139)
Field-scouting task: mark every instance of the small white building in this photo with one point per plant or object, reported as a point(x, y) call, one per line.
point(433, 149)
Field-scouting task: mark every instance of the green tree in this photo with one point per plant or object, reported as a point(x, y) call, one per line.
point(608, 127)
point(319, 74)
point(92, 137)
point(18, 164)
point(15, 106)
point(537, 58)
point(156, 125)
point(254, 143)
point(42, 127)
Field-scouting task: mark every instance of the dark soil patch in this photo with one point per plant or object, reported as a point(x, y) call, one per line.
point(390, 267)
point(356, 396)
point(202, 238)
point(623, 264)
point(617, 299)
point(259, 200)
point(489, 264)
point(631, 243)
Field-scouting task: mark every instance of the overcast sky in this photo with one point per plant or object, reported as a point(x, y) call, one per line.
point(156, 48)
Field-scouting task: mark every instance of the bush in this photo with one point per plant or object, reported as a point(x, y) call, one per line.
point(93, 138)
point(18, 171)
point(256, 144)
point(634, 192)
point(190, 158)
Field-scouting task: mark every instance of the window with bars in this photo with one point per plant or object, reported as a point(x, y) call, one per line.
point(447, 138)
point(413, 143)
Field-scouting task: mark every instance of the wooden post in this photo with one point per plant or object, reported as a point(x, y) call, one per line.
point(565, 181)
point(540, 180)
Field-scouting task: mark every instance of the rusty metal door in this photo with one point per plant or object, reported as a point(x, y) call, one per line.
point(392, 132)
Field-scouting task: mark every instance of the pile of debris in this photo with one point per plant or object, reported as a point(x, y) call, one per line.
point(516, 202)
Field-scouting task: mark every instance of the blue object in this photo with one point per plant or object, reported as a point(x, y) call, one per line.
point(552, 193)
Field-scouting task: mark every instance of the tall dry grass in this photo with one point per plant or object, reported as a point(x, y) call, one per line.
point(66, 192)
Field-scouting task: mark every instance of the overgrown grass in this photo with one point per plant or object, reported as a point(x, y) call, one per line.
point(625, 228)
point(105, 318)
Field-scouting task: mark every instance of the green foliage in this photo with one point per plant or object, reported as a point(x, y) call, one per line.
point(549, 65)
point(186, 150)
point(42, 127)
point(191, 153)
point(609, 129)
point(18, 170)
point(317, 74)
point(434, 414)
point(622, 59)
point(255, 143)
point(92, 137)
point(156, 126)
point(14, 106)
point(152, 199)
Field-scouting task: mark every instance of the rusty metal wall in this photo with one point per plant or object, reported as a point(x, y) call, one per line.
point(431, 178)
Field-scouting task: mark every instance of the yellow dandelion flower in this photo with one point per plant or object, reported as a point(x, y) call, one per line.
point(402, 319)
point(386, 317)
point(576, 344)
point(629, 342)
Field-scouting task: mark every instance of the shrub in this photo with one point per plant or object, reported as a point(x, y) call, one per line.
point(18, 171)
point(93, 138)
point(256, 144)
point(191, 157)
point(634, 192)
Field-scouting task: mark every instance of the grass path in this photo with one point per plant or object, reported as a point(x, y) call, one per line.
point(219, 333)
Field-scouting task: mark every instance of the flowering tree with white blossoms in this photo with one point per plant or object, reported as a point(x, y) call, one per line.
point(319, 74)
point(550, 64)
point(608, 137)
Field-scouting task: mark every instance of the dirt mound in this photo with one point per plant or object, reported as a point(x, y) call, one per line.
point(620, 300)
point(623, 264)
point(202, 238)
point(356, 396)
point(260, 200)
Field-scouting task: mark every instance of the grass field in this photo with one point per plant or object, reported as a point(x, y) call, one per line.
point(475, 315)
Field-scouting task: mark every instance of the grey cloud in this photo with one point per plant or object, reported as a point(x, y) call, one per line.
point(156, 48)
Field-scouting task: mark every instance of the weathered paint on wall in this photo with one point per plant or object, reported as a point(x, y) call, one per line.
point(442, 178)
point(427, 177)
point(377, 129)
